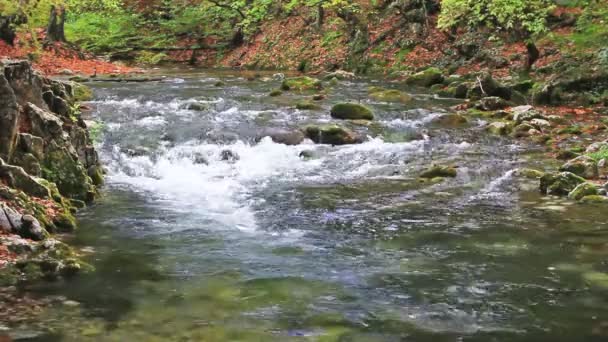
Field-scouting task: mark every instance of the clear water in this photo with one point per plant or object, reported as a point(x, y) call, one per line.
point(348, 246)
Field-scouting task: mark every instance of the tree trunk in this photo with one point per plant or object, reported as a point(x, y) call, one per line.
point(533, 55)
point(320, 16)
point(55, 31)
point(7, 27)
point(238, 38)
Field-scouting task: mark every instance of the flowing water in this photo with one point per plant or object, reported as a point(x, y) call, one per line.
point(193, 243)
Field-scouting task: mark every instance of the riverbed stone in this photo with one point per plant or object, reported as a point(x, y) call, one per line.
point(594, 199)
point(559, 183)
point(439, 171)
point(450, 120)
point(285, 137)
point(351, 111)
point(301, 83)
point(524, 130)
point(499, 128)
point(307, 105)
point(389, 95)
point(582, 190)
point(541, 124)
point(582, 166)
point(331, 134)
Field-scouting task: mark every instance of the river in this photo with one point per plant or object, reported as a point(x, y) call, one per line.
point(193, 243)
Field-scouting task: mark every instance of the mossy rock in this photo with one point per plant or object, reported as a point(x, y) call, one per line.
point(331, 134)
point(96, 174)
point(499, 128)
point(529, 173)
point(594, 199)
point(426, 78)
point(301, 83)
point(219, 84)
point(351, 111)
point(389, 95)
point(307, 105)
point(439, 171)
point(70, 176)
point(451, 120)
point(582, 166)
point(560, 183)
point(583, 190)
point(65, 221)
point(275, 93)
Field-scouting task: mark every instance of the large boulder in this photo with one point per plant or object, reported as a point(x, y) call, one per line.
point(582, 166)
point(331, 134)
point(560, 183)
point(426, 78)
point(351, 111)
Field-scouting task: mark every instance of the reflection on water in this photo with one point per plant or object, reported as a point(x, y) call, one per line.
point(193, 243)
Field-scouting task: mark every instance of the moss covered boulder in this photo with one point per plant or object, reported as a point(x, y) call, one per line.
point(583, 190)
point(560, 183)
point(331, 134)
point(594, 199)
point(351, 111)
point(439, 171)
point(582, 166)
point(426, 78)
point(301, 83)
point(389, 95)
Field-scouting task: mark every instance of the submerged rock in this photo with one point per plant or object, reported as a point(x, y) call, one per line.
point(281, 136)
point(331, 134)
point(439, 171)
point(275, 93)
point(307, 105)
point(351, 111)
point(583, 166)
point(228, 155)
point(560, 183)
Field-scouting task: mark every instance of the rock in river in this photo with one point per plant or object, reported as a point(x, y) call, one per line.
point(351, 111)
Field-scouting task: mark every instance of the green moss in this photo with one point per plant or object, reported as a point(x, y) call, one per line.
point(426, 78)
point(601, 154)
point(82, 92)
point(301, 83)
point(388, 95)
point(65, 221)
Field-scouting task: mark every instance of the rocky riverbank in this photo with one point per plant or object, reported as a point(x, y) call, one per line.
point(48, 170)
